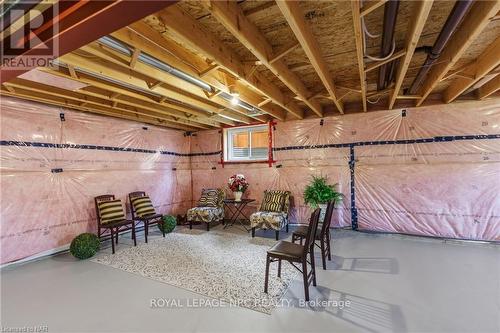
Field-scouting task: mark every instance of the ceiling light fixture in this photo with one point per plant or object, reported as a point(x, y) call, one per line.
point(236, 99)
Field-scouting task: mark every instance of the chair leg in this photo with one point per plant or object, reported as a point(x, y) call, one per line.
point(146, 229)
point(323, 253)
point(208, 226)
point(279, 267)
point(277, 234)
point(287, 227)
point(163, 227)
point(253, 232)
point(306, 280)
point(190, 224)
point(266, 280)
point(133, 234)
point(112, 240)
point(313, 265)
point(117, 232)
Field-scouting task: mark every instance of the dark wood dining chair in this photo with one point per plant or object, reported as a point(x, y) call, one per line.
point(111, 218)
point(323, 235)
point(296, 254)
point(143, 211)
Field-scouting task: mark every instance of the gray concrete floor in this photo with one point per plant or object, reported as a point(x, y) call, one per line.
point(393, 283)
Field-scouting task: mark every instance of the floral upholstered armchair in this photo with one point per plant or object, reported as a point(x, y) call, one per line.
point(273, 212)
point(210, 208)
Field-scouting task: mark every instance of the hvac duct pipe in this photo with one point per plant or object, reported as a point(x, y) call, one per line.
point(390, 17)
point(456, 16)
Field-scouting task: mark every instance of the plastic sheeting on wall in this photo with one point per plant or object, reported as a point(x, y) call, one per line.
point(431, 171)
point(426, 171)
point(42, 210)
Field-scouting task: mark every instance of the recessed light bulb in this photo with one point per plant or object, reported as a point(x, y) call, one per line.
point(235, 100)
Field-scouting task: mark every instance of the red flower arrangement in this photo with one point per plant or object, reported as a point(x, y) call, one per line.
point(237, 183)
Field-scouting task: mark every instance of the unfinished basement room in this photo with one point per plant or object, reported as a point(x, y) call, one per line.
point(250, 166)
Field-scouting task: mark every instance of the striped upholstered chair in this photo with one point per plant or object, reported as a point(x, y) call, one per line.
point(111, 217)
point(142, 210)
point(273, 212)
point(210, 208)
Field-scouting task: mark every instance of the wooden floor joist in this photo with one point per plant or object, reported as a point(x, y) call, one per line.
point(489, 88)
point(190, 31)
point(231, 16)
point(486, 62)
point(165, 114)
point(413, 35)
point(295, 18)
point(153, 43)
point(111, 70)
point(473, 24)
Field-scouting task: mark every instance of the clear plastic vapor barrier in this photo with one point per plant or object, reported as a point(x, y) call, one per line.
point(52, 169)
point(432, 171)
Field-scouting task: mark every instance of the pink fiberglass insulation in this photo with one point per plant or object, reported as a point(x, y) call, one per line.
point(42, 210)
point(443, 189)
point(435, 188)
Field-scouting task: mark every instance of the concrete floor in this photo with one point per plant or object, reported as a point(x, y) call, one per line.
point(393, 283)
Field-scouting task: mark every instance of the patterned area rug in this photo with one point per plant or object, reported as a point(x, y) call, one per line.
point(223, 265)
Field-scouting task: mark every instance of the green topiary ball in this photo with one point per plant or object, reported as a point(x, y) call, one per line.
point(168, 222)
point(85, 246)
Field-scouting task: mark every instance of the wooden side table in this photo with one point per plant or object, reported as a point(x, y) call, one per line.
point(235, 209)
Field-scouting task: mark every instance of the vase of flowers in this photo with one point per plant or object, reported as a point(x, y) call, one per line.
point(237, 184)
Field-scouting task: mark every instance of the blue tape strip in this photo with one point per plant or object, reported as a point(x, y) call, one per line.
point(354, 211)
point(394, 142)
point(95, 147)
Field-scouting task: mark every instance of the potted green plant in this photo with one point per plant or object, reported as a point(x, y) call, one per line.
point(318, 193)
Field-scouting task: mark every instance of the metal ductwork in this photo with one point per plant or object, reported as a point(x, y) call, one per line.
point(454, 19)
point(156, 63)
point(390, 17)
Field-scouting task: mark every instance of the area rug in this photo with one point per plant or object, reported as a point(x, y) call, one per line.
point(223, 265)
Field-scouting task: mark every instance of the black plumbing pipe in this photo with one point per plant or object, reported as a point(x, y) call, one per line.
point(390, 17)
point(452, 22)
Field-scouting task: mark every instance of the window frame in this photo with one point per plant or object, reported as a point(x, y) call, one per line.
point(227, 143)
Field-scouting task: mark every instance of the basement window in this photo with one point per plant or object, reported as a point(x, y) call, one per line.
point(246, 144)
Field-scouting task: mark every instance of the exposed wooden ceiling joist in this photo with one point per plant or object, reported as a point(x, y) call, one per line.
point(489, 88)
point(111, 70)
point(486, 62)
point(423, 8)
point(128, 96)
point(21, 84)
point(295, 18)
point(370, 6)
point(150, 41)
point(231, 16)
point(474, 23)
point(187, 29)
point(87, 107)
point(167, 81)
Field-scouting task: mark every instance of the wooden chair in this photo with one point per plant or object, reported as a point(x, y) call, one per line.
point(112, 218)
point(323, 236)
point(143, 211)
point(296, 253)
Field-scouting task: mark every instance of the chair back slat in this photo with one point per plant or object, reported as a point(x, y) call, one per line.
point(328, 217)
point(311, 230)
